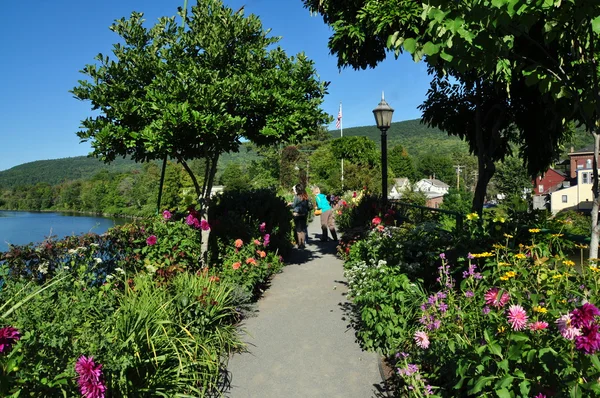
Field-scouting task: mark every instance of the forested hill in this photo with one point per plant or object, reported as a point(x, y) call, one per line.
point(56, 171)
point(418, 139)
point(415, 137)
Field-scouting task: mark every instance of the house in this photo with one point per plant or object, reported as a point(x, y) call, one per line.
point(552, 180)
point(576, 197)
point(400, 185)
point(434, 190)
point(582, 159)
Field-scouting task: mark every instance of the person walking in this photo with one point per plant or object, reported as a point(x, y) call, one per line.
point(327, 215)
point(300, 207)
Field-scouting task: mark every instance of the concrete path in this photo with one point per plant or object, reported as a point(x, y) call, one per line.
point(300, 343)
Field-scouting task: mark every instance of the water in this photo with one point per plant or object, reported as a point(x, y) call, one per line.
point(21, 227)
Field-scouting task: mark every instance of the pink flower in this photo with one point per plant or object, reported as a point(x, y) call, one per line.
point(422, 339)
point(90, 380)
point(376, 221)
point(566, 328)
point(538, 325)
point(238, 243)
point(589, 341)
point(151, 241)
point(584, 315)
point(236, 265)
point(251, 260)
point(267, 240)
point(191, 220)
point(8, 337)
point(540, 395)
point(256, 242)
point(167, 215)
point(517, 317)
point(493, 298)
point(263, 228)
point(204, 225)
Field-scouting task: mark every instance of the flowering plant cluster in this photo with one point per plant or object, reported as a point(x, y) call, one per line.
point(250, 264)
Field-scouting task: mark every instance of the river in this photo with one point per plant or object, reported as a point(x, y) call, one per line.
point(23, 227)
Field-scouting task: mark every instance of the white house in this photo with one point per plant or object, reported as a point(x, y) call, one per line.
point(400, 185)
point(576, 197)
point(432, 185)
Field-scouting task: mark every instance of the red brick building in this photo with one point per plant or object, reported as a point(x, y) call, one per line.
point(581, 159)
point(549, 182)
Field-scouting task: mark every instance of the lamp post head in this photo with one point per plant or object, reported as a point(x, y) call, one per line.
point(383, 114)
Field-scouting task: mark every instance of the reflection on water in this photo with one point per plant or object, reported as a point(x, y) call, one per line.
point(21, 227)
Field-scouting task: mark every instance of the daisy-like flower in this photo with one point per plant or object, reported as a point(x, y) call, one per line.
point(422, 339)
point(238, 243)
point(236, 265)
point(520, 256)
point(90, 380)
point(495, 299)
point(538, 325)
point(584, 315)
point(251, 261)
point(566, 328)
point(534, 230)
point(569, 263)
point(8, 337)
point(540, 309)
point(517, 317)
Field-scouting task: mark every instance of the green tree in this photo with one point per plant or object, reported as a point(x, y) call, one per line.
point(401, 163)
point(235, 178)
point(197, 92)
point(512, 179)
point(439, 167)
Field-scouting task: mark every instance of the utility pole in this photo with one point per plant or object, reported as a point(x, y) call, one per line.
point(458, 170)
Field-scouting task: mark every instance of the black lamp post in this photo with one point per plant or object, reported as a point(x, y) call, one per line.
point(383, 119)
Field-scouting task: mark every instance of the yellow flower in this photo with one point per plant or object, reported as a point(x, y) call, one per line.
point(504, 278)
point(501, 329)
point(520, 256)
point(594, 268)
point(557, 276)
point(540, 309)
point(577, 245)
point(557, 235)
point(497, 246)
point(481, 255)
point(511, 274)
point(472, 216)
point(534, 230)
point(569, 263)
point(503, 264)
point(508, 236)
point(499, 219)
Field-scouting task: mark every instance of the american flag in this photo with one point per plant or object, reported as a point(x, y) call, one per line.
point(338, 122)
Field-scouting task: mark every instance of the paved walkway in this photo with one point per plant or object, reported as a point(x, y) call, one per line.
point(300, 342)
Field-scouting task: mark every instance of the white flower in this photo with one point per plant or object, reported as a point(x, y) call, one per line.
point(72, 251)
point(109, 277)
point(43, 268)
point(94, 244)
point(98, 260)
point(120, 270)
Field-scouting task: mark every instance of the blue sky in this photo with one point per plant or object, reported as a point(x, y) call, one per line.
point(46, 43)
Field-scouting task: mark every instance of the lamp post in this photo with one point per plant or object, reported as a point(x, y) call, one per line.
point(383, 119)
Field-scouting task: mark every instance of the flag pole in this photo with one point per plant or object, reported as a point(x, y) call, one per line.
point(341, 136)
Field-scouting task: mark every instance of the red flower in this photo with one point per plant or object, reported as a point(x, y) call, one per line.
point(236, 265)
point(151, 241)
point(376, 221)
point(8, 337)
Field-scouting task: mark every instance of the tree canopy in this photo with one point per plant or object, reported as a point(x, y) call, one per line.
point(197, 92)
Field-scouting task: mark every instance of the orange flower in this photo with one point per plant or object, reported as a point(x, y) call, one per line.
point(236, 265)
point(238, 243)
point(261, 253)
point(213, 278)
point(251, 260)
point(256, 242)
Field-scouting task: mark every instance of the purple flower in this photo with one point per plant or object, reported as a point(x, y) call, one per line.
point(486, 310)
point(469, 293)
point(263, 227)
point(151, 240)
point(8, 337)
point(443, 256)
point(204, 225)
point(167, 215)
point(90, 380)
point(443, 307)
point(584, 315)
point(470, 256)
point(589, 341)
point(191, 220)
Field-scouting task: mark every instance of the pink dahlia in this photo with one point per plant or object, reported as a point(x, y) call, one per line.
point(267, 240)
point(517, 317)
point(151, 240)
point(494, 298)
point(90, 380)
point(8, 337)
point(566, 328)
point(584, 315)
point(422, 339)
point(204, 225)
point(191, 220)
point(262, 227)
point(167, 215)
point(538, 325)
point(589, 341)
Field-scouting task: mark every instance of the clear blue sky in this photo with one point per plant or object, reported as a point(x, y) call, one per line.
point(46, 43)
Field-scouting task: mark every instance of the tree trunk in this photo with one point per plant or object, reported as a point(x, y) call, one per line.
point(596, 203)
point(192, 176)
point(486, 172)
point(211, 176)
